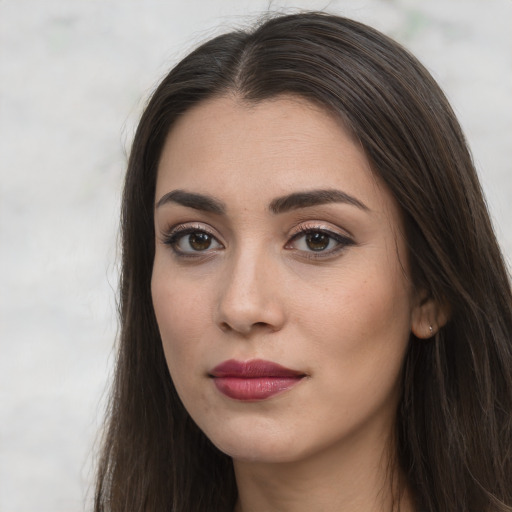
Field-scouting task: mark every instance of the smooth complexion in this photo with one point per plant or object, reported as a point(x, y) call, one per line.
point(253, 263)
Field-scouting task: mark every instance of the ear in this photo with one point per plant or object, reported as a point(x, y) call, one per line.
point(428, 316)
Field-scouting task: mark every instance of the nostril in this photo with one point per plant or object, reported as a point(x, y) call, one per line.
point(244, 330)
point(224, 326)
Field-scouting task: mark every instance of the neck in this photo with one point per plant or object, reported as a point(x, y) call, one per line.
point(348, 479)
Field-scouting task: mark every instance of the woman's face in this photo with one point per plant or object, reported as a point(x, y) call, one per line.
point(280, 281)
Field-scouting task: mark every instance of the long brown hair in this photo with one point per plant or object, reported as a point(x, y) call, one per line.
point(454, 422)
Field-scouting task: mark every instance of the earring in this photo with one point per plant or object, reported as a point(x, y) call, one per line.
point(431, 329)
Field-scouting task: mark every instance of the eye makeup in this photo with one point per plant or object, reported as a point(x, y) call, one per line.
point(191, 240)
point(312, 240)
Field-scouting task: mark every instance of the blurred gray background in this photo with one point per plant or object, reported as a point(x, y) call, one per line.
point(74, 75)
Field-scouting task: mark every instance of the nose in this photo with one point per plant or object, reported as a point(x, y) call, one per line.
point(249, 296)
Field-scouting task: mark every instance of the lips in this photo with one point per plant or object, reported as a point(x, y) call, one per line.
point(253, 380)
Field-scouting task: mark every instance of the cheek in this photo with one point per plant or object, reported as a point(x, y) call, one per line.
point(180, 317)
point(362, 325)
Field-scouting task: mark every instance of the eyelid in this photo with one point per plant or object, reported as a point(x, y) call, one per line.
point(343, 240)
point(184, 227)
point(173, 234)
point(319, 226)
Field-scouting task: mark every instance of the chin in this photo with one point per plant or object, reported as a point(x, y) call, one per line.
point(263, 448)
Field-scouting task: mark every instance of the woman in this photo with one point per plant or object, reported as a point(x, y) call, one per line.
point(315, 314)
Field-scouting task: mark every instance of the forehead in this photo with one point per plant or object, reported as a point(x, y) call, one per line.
point(242, 151)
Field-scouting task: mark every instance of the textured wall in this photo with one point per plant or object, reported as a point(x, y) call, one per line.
point(73, 77)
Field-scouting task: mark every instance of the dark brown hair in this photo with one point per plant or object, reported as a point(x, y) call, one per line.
point(454, 423)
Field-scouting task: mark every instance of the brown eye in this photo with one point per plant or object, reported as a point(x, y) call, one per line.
point(317, 241)
point(200, 241)
point(190, 241)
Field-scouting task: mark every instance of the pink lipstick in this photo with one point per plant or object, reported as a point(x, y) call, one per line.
point(253, 380)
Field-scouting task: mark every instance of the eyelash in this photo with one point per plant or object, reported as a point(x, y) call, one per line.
point(176, 234)
point(342, 241)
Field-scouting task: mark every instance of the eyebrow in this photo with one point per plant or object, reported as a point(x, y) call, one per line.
point(313, 198)
point(191, 200)
point(279, 205)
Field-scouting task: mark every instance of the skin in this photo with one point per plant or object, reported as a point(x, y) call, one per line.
point(343, 318)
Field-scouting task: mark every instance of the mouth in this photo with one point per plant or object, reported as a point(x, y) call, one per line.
point(253, 380)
